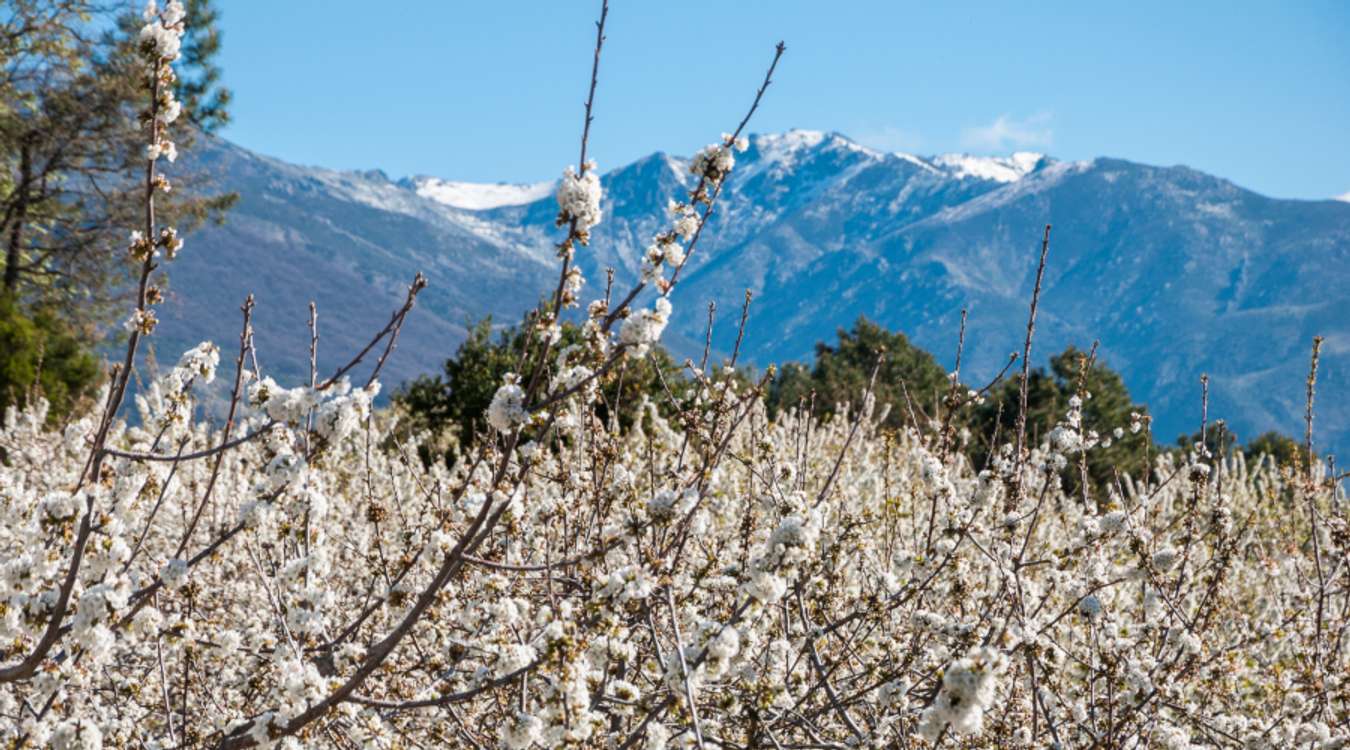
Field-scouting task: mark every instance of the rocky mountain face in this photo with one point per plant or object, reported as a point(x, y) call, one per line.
point(1175, 272)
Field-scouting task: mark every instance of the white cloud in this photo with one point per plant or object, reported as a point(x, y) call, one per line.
point(889, 138)
point(1343, 197)
point(1008, 133)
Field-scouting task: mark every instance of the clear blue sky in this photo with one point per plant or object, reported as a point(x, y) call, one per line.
point(486, 91)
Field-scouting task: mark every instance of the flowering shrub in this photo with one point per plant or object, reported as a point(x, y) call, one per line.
point(718, 579)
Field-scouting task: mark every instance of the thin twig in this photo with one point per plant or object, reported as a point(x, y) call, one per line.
point(1016, 496)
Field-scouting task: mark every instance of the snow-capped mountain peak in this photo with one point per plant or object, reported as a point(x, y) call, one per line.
point(997, 168)
point(479, 196)
point(781, 144)
point(784, 149)
point(917, 161)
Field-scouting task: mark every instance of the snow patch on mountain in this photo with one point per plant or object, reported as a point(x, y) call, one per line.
point(784, 144)
point(680, 168)
point(996, 168)
point(917, 161)
point(372, 188)
point(479, 196)
point(1042, 180)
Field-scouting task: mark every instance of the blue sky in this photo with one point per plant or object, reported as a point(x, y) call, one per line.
point(486, 91)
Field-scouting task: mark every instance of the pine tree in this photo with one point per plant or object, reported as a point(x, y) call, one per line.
point(72, 156)
point(909, 379)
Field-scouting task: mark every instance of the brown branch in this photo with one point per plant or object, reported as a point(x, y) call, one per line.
point(1016, 496)
point(391, 328)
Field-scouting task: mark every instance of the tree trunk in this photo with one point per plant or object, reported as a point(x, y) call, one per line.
point(17, 222)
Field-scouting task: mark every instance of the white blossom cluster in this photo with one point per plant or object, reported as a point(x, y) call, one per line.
point(715, 161)
point(507, 410)
point(968, 691)
point(160, 41)
point(579, 198)
point(907, 601)
point(644, 328)
point(336, 410)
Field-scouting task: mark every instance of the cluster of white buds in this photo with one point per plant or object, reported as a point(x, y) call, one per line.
point(142, 249)
point(643, 328)
point(666, 250)
point(968, 690)
point(168, 402)
point(141, 322)
point(161, 40)
point(715, 161)
point(337, 409)
point(571, 287)
point(547, 328)
point(684, 218)
point(160, 44)
point(507, 410)
point(161, 37)
point(164, 148)
point(579, 202)
point(1069, 437)
point(139, 248)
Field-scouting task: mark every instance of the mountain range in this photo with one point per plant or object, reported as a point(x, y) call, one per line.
point(1175, 272)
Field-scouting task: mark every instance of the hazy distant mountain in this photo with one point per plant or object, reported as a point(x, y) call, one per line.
point(1176, 272)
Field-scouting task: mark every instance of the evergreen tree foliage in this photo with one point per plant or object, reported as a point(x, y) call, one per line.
point(72, 163)
point(451, 406)
point(205, 101)
point(1106, 407)
point(42, 356)
point(1285, 451)
point(908, 376)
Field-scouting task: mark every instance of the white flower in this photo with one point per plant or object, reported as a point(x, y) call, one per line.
point(725, 645)
point(579, 197)
point(657, 736)
point(644, 328)
point(77, 734)
point(174, 574)
point(160, 42)
point(523, 731)
point(507, 410)
point(59, 506)
point(141, 321)
point(1165, 558)
point(167, 114)
point(765, 586)
point(968, 687)
point(674, 254)
point(713, 163)
point(201, 362)
point(684, 218)
point(514, 657)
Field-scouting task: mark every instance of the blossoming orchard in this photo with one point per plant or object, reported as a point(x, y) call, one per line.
point(294, 576)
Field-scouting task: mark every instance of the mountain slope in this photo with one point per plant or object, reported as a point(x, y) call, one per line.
point(1176, 272)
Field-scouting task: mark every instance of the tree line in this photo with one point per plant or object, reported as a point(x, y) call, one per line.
point(917, 391)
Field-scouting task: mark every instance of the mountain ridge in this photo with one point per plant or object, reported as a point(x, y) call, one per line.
point(1176, 271)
